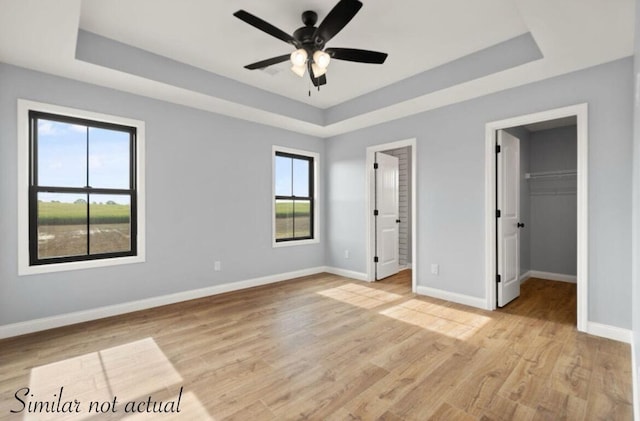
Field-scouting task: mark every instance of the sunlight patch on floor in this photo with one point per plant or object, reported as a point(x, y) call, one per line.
point(137, 368)
point(131, 372)
point(360, 296)
point(437, 318)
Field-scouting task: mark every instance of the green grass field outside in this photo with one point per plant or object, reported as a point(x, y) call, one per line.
point(52, 213)
point(285, 209)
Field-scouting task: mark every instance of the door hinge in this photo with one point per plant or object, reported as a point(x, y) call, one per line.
point(375, 165)
point(498, 149)
point(498, 213)
point(498, 279)
point(375, 259)
point(375, 212)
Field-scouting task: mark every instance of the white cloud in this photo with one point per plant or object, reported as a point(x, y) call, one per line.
point(51, 128)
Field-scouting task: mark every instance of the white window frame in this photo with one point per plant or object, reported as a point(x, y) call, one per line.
point(316, 197)
point(24, 267)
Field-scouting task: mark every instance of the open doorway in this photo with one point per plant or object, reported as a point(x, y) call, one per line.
point(551, 189)
point(536, 185)
point(400, 230)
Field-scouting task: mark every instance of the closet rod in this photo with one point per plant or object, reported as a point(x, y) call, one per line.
point(551, 174)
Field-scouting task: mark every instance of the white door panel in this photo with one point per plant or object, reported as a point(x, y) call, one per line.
point(510, 257)
point(509, 205)
point(387, 199)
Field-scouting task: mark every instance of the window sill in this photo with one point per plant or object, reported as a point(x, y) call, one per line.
point(295, 243)
point(89, 264)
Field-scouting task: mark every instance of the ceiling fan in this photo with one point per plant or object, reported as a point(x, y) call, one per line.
point(310, 54)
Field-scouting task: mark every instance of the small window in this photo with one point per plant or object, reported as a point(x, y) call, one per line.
point(83, 199)
point(294, 199)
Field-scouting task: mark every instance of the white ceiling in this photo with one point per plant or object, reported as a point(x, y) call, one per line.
point(417, 34)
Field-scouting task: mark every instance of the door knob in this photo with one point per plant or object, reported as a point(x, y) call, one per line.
point(520, 225)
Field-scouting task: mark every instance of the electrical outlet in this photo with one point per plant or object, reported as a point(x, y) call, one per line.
point(346, 254)
point(217, 266)
point(435, 268)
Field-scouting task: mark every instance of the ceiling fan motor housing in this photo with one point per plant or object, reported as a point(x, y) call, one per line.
point(305, 37)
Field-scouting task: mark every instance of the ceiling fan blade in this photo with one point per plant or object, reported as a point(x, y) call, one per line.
point(322, 80)
point(268, 62)
point(317, 81)
point(265, 27)
point(337, 19)
point(360, 56)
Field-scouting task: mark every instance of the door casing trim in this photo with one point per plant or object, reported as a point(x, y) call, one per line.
point(581, 112)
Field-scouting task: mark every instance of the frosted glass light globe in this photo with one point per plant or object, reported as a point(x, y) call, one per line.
point(322, 59)
point(299, 57)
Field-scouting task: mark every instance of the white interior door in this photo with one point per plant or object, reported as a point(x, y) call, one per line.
point(387, 222)
point(508, 160)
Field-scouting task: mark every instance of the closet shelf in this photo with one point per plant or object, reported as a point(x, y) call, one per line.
point(551, 174)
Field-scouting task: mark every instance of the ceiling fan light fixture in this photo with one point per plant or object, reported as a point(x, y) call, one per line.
point(317, 70)
point(299, 57)
point(322, 59)
point(299, 70)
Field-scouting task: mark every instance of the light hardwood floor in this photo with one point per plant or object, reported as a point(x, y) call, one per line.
point(328, 348)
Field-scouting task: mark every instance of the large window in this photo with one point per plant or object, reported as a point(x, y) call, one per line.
point(82, 190)
point(294, 198)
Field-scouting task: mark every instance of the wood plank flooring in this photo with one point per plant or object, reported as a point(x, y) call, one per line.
point(325, 347)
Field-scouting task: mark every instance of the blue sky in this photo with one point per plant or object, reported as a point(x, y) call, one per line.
point(285, 167)
point(62, 159)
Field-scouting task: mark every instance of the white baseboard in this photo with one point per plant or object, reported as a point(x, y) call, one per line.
point(610, 332)
point(44, 323)
point(525, 276)
point(453, 297)
point(346, 273)
point(549, 275)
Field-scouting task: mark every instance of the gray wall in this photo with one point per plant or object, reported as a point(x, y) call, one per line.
point(553, 206)
point(636, 192)
point(207, 199)
point(451, 192)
